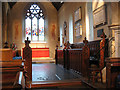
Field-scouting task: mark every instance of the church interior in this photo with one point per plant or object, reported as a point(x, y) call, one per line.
point(60, 45)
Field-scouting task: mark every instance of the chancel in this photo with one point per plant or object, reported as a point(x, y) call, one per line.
point(60, 45)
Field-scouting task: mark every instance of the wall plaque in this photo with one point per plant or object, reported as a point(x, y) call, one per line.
point(100, 16)
point(78, 30)
point(99, 32)
point(78, 15)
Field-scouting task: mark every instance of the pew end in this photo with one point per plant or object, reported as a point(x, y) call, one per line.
point(12, 77)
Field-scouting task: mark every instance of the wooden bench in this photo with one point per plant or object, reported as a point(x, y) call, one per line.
point(10, 79)
point(12, 74)
point(112, 71)
point(94, 47)
point(80, 57)
point(74, 58)
point(59, 57)
point(11, 71)
point(7, 55)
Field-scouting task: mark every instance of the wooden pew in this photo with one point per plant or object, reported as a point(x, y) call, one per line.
point(17, 65)
point(27, 55)
point(60, 59)
point(79, 57)
point(11, 70)
point(12, 74)
point(7, 55)
point(11, 79)
point(112, 71)
point(75, 59)
point(94, 47)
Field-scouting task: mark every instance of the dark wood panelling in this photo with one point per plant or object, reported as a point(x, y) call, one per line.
point(112, 71)
point(75, 59)
point(60, 59)
point(94, 47)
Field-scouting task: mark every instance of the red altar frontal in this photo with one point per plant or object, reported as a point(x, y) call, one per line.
point(40, 52)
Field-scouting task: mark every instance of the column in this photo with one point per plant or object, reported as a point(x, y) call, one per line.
point(89, 22)
point(0, 36)
point(0, 24)
point(116, 34)
point(117, 43)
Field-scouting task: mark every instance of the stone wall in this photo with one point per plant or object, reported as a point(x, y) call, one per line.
point(115, 8)
point(0, 35)
point(16, 26)
point(5, 9)
point(0, 24)
point(65, 12)
point(108, 12)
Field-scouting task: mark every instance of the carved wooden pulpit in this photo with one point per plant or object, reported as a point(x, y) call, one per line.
point(27, 55)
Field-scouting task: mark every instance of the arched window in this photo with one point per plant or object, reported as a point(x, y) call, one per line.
point(34, 24)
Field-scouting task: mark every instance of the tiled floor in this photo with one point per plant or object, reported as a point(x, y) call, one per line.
point(51, 72)
point(56, 76)
point(50, 75)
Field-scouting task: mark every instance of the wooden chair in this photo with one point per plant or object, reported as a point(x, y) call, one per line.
point(93, 71)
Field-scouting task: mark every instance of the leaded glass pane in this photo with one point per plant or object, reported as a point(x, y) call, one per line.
point(35, 17)
point(28, 28)
point(34, 29)
point(41, 29)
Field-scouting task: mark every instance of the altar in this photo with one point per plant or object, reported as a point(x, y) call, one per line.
point(40, 52)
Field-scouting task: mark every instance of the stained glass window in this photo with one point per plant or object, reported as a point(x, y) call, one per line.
point(34, 23)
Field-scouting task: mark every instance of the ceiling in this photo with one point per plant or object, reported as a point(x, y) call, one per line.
point(11, 4)
point(57, 5)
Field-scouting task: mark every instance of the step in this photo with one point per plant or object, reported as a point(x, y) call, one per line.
point(41, 84)
point(43, 60)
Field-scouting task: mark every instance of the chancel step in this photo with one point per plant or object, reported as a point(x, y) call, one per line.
point(43, 60)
